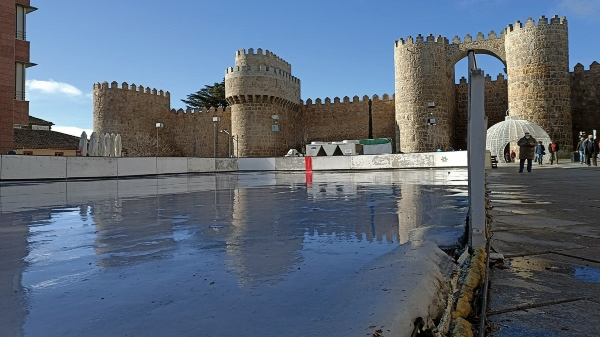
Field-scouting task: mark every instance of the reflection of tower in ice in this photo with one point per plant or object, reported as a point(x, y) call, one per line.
point(430, 198)
point(127, 232)
point(13, 240)
point(354, 204)
point(409, 210)
point(265, 242)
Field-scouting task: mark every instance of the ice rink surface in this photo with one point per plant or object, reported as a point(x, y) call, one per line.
point(232, 254)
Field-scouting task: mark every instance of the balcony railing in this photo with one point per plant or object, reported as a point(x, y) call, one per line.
point(19, 95)
point(21, 35)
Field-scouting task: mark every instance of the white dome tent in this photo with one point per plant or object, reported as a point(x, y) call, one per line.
point(511, 130)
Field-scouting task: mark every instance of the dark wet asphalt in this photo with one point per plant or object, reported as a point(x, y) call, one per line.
point(249, 254)
point(547, 225)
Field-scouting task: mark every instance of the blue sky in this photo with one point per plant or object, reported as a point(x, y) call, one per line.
point(336, 48)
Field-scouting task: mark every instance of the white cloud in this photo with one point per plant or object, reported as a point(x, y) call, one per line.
point(71, 130)
point(52, 87)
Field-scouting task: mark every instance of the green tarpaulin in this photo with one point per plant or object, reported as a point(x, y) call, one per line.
point(375, 141)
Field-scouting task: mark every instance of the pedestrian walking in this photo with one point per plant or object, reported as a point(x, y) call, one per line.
point(591, 151)
point(512, 156)
point(540, 151)
point(581, 150)
point(526, 151)
point(553, 148)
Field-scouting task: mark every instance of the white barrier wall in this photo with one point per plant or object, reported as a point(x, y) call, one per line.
point(290, 164)
point(19, 167)
point(170, 165)
point(91, 167)
point(201, 165)
point(136, 166)
point(331, 163)
point(256, 164)
point(450, 159)
point(227, 164)
point(371, 162)
point(413, 160)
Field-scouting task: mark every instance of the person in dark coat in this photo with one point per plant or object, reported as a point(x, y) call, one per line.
point(591, 151)
point(553, 148)
point(526, 151)
point(581, 150)
point(540, 151)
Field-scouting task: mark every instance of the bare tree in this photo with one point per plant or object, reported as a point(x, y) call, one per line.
point(143, 145)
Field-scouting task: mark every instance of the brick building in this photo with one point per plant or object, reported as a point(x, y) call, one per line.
point(14, 59)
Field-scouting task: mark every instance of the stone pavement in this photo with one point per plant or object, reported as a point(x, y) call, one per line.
point(547, 225)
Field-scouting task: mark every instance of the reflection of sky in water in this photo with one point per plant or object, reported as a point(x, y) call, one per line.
point(127, 245)
point(587, 274)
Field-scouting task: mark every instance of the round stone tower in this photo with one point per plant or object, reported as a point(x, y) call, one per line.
point(539, 90)
point(424, 90)
point(265, 99)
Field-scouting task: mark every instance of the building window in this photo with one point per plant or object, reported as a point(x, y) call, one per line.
point(22, 12)
point(20, 81)
point(28, 153)
point(59, 153)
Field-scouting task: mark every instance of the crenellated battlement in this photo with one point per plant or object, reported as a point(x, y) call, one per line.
point(543, 21)
point(488, 78)
point(480, 37)
point(421, 39)
point(261, 77)
point(594, 67)
point(254, 70)
point(195, 111)
point(346, 99)
point(268, 59)
point(124, 86)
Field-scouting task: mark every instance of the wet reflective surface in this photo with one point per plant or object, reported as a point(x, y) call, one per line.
point(546, 226)
point(207, 255)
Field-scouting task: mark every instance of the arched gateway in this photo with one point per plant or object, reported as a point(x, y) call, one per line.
point(536, 60)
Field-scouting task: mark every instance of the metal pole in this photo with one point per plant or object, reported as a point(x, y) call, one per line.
point(229, 145)
point(156, 142)
point(215, 140)
point(370, 121)
point(476, 154)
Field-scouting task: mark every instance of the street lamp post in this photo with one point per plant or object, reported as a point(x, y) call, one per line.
point(228, 142)
point(215, 121)
point(158, 126)
point(237, 145)
point(275, 128)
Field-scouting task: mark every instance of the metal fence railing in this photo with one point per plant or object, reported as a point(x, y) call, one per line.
point(20, 35)
point(20, 95)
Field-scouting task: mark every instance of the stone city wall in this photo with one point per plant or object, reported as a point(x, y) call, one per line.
point(133, 112)
point(496, 104)
point(338, 120)
point(585, 99)
point(193, 133)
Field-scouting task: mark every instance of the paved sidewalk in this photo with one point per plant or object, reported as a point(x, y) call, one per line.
point(547, 225)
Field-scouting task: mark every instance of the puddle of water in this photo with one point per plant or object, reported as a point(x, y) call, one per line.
point(587, 274)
